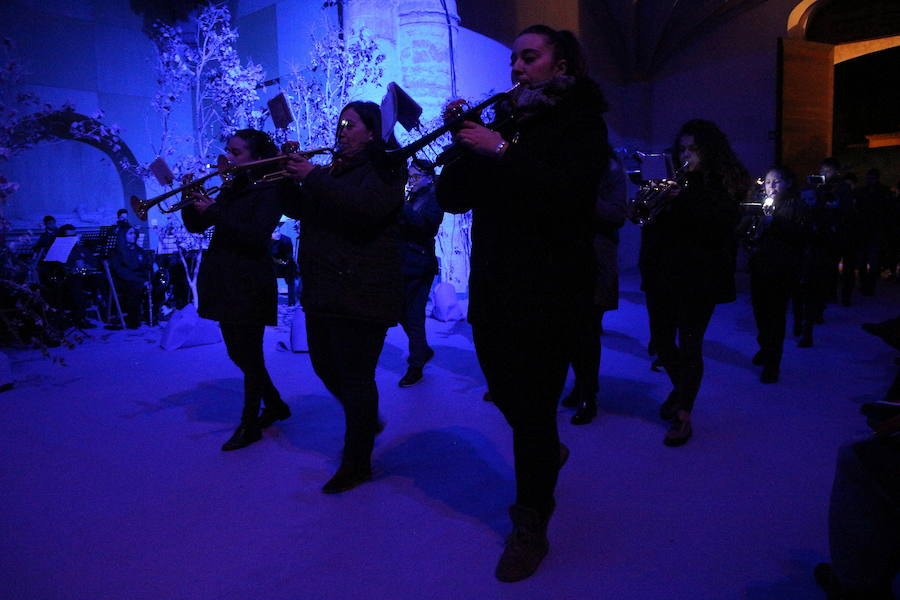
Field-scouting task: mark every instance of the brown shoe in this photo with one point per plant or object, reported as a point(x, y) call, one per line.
point(679, 433)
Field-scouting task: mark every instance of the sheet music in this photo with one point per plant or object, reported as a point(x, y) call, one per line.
point(61, 248)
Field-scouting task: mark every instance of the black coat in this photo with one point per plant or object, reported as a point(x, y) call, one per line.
point(776, 242)
point(349, 250)
point(419, 223)
point(690, 250)
point(532, 213)
point(129, 263)
point(236, 283)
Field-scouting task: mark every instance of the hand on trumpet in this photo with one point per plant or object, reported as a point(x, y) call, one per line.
point(202, 201)
point(480, 140)
point(298, 166)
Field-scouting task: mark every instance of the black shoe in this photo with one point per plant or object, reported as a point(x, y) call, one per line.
point(347, 478)
point(526, 546)
point(571, 400)
point(770, 374)
point(669, 408)
point(243, 436)
point(587, 410)
point(759, 359)
point(270, 414)
point(412, 377)
point(679, 433)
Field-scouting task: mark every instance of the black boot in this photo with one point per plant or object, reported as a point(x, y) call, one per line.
point(347, 477)
point(526, 546)
point(669, 408)
point(586, 412)
point(806, 340)
point(274, 411)
point(243, 436)
point(770, 374)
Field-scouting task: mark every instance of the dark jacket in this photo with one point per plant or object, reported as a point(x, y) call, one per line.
point(532, 212)
point(609, 217)
point(236, 283)
point(349, 250)
point(129, 263)
point(690, 249)
point(775, 242)
point(419, 223)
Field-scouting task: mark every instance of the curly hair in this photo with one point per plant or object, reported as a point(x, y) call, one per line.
point(717, 160)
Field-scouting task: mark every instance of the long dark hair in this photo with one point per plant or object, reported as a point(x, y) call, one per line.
point(717, 160)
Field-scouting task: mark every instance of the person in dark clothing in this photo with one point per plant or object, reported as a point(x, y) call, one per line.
point(872, 205)
point(775, 238)
point(282, 249)
point(236, 283)
point(609, 216)
point(350, 269)
point(687, 263)
point(45, 240)
point(817, 272)
point(864, 513)
point(131, 271)
point(531, 186)
point(419, 223)
point(837, 196)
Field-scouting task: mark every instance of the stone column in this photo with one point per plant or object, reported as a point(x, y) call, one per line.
point(379, 17)
point(423, 43)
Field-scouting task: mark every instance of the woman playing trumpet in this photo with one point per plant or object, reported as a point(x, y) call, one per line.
point(774, 235)
point(350, 268)
point(236, 283)
point(687, 263)
point(531, 187)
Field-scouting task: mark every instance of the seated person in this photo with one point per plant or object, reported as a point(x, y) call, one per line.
point(130, 268)
point(47, 236)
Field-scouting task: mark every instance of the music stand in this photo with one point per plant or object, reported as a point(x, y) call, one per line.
point(106, 244)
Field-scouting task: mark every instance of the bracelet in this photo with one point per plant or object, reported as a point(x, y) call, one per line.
point(501, 147)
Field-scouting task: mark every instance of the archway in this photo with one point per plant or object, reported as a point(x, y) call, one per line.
point(68, 125)
point(821, 35)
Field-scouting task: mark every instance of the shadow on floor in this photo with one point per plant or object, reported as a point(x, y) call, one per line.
point(470, 479)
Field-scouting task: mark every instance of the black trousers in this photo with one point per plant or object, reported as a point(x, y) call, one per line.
point(673, 317)
point(413, 322)
point(525, 366)
point(770, 294)
point(244, 343)
point(131, 299)
point(344, 353)
point(586, 358)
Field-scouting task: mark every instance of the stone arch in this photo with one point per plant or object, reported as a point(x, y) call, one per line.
point(59, 125)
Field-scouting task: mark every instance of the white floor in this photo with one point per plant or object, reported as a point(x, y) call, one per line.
point(113, 485)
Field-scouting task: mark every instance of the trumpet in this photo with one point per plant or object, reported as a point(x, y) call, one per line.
point(226, 172)
point(654, 196)
point(454, 116)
